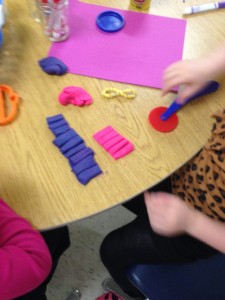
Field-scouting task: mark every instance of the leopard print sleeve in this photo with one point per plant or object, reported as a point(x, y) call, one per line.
point(201, 182)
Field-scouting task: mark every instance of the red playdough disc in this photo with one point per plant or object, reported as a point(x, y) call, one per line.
point(159, 125)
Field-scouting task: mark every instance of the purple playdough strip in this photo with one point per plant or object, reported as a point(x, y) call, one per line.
point(76, 158)
point(81, 158)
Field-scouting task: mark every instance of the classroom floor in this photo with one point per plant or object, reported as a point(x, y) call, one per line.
point(80, 267)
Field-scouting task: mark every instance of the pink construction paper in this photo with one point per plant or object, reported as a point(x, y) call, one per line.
point(137, 54)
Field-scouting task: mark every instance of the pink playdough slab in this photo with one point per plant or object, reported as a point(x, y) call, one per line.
point(113, 142)
point(137, 54)
point(105, 134)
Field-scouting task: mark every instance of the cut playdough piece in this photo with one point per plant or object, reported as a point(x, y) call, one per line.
point(75, 150)
point(118, 146)
point(76, 158)
point(159, 125)
point(103, 140)
point(55, 118)
point(124, 151)
point(75, 141)
point(118, 138)
point(65, 137)
point(104, 132)
point(57, 124)
point(113, 142)
point(80, 157)
point(87, 175)
point(85, 164)
point(60, 130)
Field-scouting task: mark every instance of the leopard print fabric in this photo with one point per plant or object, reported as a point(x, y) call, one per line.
point(201, 182)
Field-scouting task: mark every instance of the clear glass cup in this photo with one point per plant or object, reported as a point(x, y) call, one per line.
point(54, 17)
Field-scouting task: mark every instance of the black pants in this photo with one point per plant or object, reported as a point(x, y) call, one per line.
point(137, 243)
point(58, 241)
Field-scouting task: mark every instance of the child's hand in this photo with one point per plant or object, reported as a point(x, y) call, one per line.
point(168, 215)
point(191, 74)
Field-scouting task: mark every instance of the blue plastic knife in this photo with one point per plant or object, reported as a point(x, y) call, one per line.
point(211, 87)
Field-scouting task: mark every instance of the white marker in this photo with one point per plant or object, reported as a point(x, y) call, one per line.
point(204, 7)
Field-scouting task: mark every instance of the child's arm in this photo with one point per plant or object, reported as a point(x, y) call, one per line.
point(192, 75)
point(25, 261)
point(169, 216)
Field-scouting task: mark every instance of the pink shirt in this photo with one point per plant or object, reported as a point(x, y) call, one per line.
point(25, 260)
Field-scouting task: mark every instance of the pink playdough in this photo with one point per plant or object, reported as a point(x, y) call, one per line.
point(113, 142)
point(74, 95)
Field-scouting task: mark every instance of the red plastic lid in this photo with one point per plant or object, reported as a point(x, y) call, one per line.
point(159, 125)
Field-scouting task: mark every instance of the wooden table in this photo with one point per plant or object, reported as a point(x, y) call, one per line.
point(36, 179)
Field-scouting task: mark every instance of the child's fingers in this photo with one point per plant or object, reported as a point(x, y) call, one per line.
point(169, 85)
point(183, 97)
point(171, 80)
point(150, 196)
point(150, 201)
point(188, 92)
point(165, 91)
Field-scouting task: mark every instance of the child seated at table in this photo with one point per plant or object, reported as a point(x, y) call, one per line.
point(25, 261)
point(28, 259)
point(58, 241)
point(185, 221)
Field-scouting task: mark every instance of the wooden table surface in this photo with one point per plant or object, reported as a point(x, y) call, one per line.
point(35, 177)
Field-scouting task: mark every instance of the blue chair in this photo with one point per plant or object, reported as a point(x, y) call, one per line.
point(201, 280)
